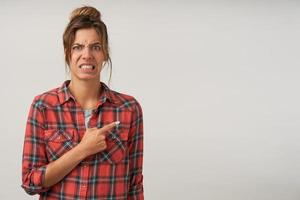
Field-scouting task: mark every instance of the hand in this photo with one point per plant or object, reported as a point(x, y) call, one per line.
point(94, 141)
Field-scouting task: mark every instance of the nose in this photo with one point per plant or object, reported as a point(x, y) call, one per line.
point(87, 53)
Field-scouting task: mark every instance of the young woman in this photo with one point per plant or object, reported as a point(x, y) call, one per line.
point(83, 140)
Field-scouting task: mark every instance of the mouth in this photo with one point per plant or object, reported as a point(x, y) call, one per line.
point(87, 67)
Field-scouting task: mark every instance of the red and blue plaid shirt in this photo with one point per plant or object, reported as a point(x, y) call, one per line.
point(56, 124)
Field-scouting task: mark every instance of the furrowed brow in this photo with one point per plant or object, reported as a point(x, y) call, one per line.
point(95, 43)
point(77, 44)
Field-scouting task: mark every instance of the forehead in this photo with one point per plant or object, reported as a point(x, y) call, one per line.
point(86, 36)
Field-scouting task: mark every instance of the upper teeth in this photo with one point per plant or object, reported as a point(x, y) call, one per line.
point(86, 66)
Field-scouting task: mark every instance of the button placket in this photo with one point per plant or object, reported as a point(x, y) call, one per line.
point(85, 178)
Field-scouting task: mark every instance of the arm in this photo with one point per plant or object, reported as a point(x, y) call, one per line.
point(92, 142)
point(136, 191)
point(58, 169)
point(34, 153)
point(37, 174)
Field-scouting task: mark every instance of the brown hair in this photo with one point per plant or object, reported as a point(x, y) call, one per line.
point(86, 17)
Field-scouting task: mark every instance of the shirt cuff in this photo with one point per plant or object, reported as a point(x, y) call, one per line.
point(34, 184)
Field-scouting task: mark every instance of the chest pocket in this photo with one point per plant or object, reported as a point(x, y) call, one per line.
point(116, 150)
point(58, 142)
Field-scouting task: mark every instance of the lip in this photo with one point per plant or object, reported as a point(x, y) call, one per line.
point(87, 64)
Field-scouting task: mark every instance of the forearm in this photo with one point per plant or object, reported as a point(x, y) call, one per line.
point(58, 169)
point(92, 142)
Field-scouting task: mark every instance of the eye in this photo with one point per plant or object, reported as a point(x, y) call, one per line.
point(77, 47)
point(96, 47)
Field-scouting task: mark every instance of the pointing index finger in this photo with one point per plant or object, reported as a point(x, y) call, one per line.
point(104, 130)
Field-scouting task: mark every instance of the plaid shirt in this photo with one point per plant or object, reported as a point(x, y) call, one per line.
point(56, 124)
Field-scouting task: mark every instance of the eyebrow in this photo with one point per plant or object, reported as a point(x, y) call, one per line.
point(95, 43)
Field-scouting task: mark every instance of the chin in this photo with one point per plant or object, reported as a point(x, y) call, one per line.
point(88, 77)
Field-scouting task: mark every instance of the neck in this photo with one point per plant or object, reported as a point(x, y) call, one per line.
point(86, 93)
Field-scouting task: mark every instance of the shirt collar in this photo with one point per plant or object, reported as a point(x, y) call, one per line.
point(65, 95)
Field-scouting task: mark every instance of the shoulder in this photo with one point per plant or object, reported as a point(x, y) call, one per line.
point(47, 98)
point(125, 101)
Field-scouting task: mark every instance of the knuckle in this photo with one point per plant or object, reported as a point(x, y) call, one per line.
point(102, 137)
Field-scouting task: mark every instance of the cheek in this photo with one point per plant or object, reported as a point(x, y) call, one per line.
point(72, 63)
point(74, 58)
point(100, 56)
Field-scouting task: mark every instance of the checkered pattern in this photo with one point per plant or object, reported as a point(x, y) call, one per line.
point(56, 124)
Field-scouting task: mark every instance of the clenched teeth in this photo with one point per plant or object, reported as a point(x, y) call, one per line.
point(87, 67)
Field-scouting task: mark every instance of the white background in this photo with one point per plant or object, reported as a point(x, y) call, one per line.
point(218, 82)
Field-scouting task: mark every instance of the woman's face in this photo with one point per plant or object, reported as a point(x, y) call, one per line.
point(86, 55)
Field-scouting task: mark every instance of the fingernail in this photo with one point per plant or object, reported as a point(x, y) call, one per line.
point(117, 122)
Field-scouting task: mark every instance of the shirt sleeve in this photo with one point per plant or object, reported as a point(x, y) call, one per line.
point(136, 191)
point(34, 159)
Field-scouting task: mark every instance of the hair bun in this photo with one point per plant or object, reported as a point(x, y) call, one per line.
point(89, 11)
